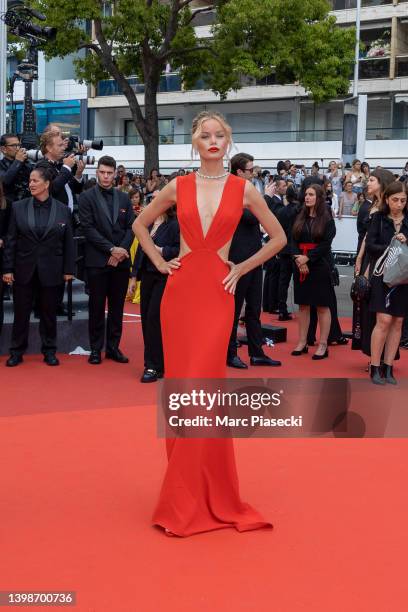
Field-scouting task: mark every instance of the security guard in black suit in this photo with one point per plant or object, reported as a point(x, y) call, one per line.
point(245, 243)
point(38, 257)
point(106, 217)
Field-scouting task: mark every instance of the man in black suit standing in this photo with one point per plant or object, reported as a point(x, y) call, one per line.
point(245, 242)
point(106, 217)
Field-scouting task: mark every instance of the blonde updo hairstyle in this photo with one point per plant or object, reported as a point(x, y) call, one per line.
point(197, 127)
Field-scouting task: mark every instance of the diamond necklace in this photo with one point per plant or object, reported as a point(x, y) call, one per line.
point(204, 176)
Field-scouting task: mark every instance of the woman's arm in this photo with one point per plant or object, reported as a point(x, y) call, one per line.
point(254, 201)
point(335, 205)
point(341, 205)
point(166, 198)
point(359, 258)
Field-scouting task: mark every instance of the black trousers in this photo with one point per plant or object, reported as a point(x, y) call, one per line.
point(249, 288)
point(109, 285)
point(271, 285)
point(285, 275)
point(47, 309)
point(151, 292)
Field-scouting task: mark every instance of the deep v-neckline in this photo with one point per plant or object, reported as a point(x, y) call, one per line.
point(216, 212)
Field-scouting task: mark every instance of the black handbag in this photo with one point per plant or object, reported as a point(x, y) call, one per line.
point(360, 288)
point(335, 277)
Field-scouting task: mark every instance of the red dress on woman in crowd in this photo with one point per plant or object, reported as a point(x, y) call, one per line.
point(200, 491)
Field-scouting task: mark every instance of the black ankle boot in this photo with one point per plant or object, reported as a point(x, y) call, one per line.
point(375, 374)
point(388, 374)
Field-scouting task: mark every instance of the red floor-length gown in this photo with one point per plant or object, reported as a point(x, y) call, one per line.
point(200, 491)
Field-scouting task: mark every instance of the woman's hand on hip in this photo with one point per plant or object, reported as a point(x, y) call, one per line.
point(167, 267)
point(8, 278)
point(230, 281)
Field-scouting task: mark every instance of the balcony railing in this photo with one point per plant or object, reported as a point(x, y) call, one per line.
point(380, 133)
point(258, 137)
point(168, 82)
point(172, 82)
point(341, 5)
point(374, 68)
point(387, 133)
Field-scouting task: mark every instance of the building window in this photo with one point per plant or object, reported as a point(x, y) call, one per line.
point(166, 132)
point(65, 114)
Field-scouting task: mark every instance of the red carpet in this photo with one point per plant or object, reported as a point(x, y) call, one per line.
point(80, 472)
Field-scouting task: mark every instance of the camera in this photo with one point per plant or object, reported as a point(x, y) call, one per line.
point(74, 143)
point(88, 159)
point(35, 155)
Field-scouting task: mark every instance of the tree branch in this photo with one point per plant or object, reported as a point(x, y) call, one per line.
point(92, 46)
point(171, 29)
point(184, 4)
point(109, 62)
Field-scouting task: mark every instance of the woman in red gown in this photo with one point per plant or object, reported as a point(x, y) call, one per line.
point(200, 491)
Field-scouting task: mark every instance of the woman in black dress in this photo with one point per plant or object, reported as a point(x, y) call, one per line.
point(363, 319)
point(390, 306)
point(165, 233)
point(313, 233)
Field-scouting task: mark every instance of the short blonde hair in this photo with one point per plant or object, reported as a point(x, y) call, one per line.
point(51, 130)
point(197, 125)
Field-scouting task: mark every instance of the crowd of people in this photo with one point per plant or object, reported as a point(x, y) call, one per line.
point(43, 206)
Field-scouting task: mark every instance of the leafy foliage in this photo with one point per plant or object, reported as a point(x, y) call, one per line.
point(297, 40)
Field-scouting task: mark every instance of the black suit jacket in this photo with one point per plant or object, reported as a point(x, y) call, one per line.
point(275, 203)
point(100, 232)
point(52, 254)
point(247, 239)
point(14, 176)
point(286, 217)
point(63, 176)
point(167, 236)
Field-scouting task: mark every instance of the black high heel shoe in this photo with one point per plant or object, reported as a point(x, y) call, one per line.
point(302, 351)
point(319, 357)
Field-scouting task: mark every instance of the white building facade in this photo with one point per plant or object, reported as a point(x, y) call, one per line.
point(270, 121)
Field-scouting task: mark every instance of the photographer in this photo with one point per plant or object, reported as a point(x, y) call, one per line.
point(14, 169)
point(67, 182)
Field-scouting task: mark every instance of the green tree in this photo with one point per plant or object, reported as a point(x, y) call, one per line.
point(297, 39)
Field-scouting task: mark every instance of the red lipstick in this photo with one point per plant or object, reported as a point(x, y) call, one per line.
point(213, 149)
